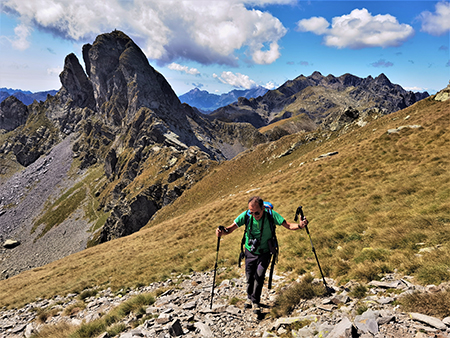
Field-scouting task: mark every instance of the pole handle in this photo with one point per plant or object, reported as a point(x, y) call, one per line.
point(299, 212)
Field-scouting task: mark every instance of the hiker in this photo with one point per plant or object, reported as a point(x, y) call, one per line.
point(257, 253)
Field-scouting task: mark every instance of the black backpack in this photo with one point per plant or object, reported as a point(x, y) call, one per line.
point(273, 243)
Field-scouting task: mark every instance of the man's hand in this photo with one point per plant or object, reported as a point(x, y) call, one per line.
point(303, 223)
point(221, 230)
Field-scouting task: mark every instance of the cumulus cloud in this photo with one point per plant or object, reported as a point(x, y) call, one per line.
point(204, 31)
point(317, 25)
point(359, 29)
point(437, 23)
point(183, 69)
point(236, 80)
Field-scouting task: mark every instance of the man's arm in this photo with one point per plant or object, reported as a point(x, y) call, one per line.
point(228, 230)
point(295, 226)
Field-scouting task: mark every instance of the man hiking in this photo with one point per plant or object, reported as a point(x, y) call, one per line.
point(259, 242)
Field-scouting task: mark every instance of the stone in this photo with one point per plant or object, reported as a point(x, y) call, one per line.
point(385, 320)
point(204, 330)
point(385, 300)
point(340, 299)
point(446, 321)
point(397, 130)
point(164, 318)
point(175, 329)
point(432, 321)
point(367, 322)
point(344, 329)
point(385, 285)
point(10, 244)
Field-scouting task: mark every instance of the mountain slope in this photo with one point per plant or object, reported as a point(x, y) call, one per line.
point(372, 207)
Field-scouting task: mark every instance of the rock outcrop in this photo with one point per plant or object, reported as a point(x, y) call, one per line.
point(13, 113)
point(443, 95)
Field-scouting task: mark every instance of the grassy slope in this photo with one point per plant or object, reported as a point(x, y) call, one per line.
point(369, 209)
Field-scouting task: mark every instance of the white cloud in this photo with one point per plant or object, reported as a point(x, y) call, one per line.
point(317, 25)
point(54, 71)
point(21, 42)
point(415, 89)
point(359, 29)
point(185, 69)
point(437, 23)
point(203, 31)
point(236, 80)
point(270, 85)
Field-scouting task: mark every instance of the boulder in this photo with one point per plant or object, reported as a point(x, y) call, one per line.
point(10, 244)
point(432, 321)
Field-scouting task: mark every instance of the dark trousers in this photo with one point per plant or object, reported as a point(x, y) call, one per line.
point(255, 271)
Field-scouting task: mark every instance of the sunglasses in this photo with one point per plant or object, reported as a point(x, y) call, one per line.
point(256, 213)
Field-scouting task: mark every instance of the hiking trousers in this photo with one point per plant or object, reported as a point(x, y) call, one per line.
point(255, 272)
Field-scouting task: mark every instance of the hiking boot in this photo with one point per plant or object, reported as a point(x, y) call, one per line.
point(248, 304)
point(257, 308)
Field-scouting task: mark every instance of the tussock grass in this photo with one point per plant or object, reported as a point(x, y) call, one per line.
point(60, 330)
point(290, 297)
point(371, 208)
point(432, 304)
point(109, 322)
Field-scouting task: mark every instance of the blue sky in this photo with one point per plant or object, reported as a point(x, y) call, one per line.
point(233, 44)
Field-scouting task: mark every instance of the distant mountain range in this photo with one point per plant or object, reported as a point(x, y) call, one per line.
point(200, 99)
point(207, 102)
point(26, 97)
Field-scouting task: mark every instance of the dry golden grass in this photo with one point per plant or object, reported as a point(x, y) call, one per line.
point(370, 209)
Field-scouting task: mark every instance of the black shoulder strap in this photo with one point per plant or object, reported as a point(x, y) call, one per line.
point(241, 255)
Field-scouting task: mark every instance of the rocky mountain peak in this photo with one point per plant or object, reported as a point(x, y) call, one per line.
point(123, 80)
point(316, 76)
point(76, 87)
point(383, 80)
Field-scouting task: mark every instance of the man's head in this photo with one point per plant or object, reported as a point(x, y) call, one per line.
point(256, 207)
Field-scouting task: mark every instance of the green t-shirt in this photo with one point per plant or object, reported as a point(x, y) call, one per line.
point(254, 229)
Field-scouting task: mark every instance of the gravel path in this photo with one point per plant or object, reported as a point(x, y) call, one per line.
point(22, 199)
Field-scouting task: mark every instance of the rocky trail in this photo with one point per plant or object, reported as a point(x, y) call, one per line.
point(182, 309)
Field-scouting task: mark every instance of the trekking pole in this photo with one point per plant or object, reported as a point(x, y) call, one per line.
point(221, 228)
point(300, 211)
